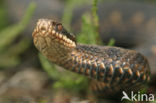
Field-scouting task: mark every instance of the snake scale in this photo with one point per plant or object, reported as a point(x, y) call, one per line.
point(111, 66)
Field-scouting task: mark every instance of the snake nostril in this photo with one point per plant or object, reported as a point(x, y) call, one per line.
point(43, 28)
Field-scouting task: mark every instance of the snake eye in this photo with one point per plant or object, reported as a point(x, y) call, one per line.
point(59, 27)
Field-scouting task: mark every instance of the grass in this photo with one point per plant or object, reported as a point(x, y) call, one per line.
point(10, 51)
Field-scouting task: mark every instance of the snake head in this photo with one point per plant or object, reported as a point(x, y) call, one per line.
point(54, 30)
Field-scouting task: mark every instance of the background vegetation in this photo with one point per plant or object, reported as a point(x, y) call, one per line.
point(13, 45)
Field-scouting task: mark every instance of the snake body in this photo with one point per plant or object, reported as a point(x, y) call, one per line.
point(111, 66)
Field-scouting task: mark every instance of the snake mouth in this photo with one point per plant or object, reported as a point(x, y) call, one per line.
point(54, 30)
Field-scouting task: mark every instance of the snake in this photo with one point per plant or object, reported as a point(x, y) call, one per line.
point(108, 65)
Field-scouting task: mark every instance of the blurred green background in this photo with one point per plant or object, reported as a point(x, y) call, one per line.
point(25, 75)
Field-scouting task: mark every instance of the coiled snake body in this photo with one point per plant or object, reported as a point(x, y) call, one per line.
point(111, 66)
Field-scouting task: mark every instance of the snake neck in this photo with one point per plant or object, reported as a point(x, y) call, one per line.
point(105, 64)
point(59, 53)
point(79, 59)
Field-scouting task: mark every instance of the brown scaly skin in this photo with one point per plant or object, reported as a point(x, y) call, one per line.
point(111, 66)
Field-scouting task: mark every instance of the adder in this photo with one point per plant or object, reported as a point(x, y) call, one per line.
point(111, 66)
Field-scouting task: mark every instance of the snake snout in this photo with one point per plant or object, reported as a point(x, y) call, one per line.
point(43, 27)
